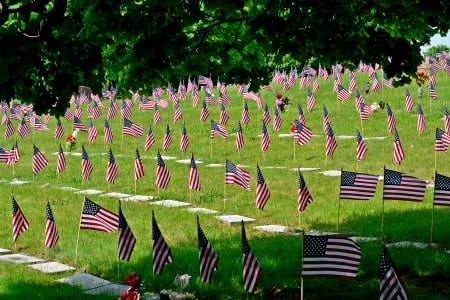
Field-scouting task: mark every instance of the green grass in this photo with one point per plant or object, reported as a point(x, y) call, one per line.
point(424, 271)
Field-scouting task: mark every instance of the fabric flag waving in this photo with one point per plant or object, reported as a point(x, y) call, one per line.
point(262, 190)
point(239, 137)
point(235, 175)
point(111, 168)
point(138, 167)
point(19, 222)
point(126, 240)
point(310, 100)
point(446, 120)
point(92, 132)
point(207, 256)
point(361, 147)
point(265, 139)
point(194, 179)
point(442, 140)
point(342, 93)
point(9, 130)
point(149, 140)
point(51, 232)
point(224, 116)
point(167, 139)
point(400, 186)
point(162, 173)
point(276, 120)
point(357, 186)
point(399, 154)
point(77, 124)
point(420, 119)
point(94, 217)
point(391, 286)
point(156, 115)
point(108, 134)
point(330, 256)
point(217, 129)
point(441, 190)
point(391, 120)
point(266, 115)
point(59, 130)
point(39, 162)
point(13, 155)
point(408, 101)
point(304, 198)
point(301, 115)
point(86, 164)
point(302, 134)
point(184, 139)
point(331, 143)
point(204, 112)
point(60, 161)
point(245, 118)
point(250, 267)
point(132, 129)
point(161, 252)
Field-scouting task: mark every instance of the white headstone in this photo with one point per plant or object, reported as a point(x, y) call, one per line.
point(20, 259)
point(171, 203)
point(89, 192)
point(5, 251)
point(52, 267)
point(201, 210)
point(234, 219)
point(138, 198)
point(115, 195)
point(275, 228)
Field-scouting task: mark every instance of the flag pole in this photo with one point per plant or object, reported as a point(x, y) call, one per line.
point(339, 211)
point(211, 147)
point(135, 186)
point(78, 236)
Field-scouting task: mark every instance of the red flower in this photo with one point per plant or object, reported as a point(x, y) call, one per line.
point(292, 128)
point(70, 139)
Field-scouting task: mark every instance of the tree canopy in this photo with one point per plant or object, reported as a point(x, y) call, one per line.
point(50, 47)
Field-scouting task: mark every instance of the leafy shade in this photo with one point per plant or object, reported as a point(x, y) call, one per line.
point(51, 47)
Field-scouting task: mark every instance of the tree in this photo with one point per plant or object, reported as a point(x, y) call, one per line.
point(50, 47)
point(432, 51)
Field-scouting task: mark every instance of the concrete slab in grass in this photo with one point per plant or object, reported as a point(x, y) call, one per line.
point(116, 195)
point(234, 219)
point(405, 244)
point(68, 188)
point(215, 165)
point(187, 161)
point(5, 251)
point(18, 182)
point(85, 281)
point(110, 289)
point(139, 198)
point(201, 210)
point(171, 203)
point(52, 267)
point(333, 173)
point(20, 259)
point(89, 192)
point(276, 228)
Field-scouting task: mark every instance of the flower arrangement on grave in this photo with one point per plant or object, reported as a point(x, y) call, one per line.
point(180, 283)
point(71, 140)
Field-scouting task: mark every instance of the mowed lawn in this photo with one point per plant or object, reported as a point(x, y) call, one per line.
point(279, 255)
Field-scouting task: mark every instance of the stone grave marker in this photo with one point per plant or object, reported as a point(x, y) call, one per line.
point(234, 219)
point(52, 267)
point(20, 259)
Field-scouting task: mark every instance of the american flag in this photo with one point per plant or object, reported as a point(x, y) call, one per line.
point(59, 130)
point(161, 251)
point(108, 134)
point(331, 143)
point(357, 186)
point(420, 119)
point(446, 120)
point(391, 120)
point(51, 232)
point(310, 100)
point(207, 256)
point(112, 110)
point(146, 104)
point(352, 81)
point(126, 240)
point(262, 190)
point(68, 114)
point(95, 217)
point(162, 173)
point(149, 140)
point(78, 111)
point(92, 132)
point(4, 155)
point(86, 164)
point(217, 129)
point(265, 139)
point(204, 112)
point(177, 115)
point(315, 85)
point(160, 102)
point(325, 118)
point(441, 190)
point(386, 82)
point(9, 131)
point(111, 168)
point(194, 180)
point(239, 137)
point(38, 125)
point(376, 86)
point(132, 129)
point(400, 186)
point(125, 111)
point(236, 175)
point(194, 96)
point(77, 124)
point(266, 115)
point(302, 134)
point(167, 139)
point(209, 97)
point(156, 115)
point(184, 139)
point(224, 99)
point(39, 162)
point(251, 270)
point(399, 154)
point(364, 111)
point(337, 80)
point(358, 100)
point(95, 110)
point(301, 115)
point(330, 256)
point(342, 93)
point(304, 198)
point(60, 161)
point(391, 286)
point(14, 112)
point(276, 120)
point(432, 90)
point(4, 118)
point(408, 101)
point(13, 155)
point(22, 129)
point(138, 167)
point(224, 117)
point(361, 148)
point(19, 222)
point(431, 79)
point(442, 140)
point(245, 118)
point(434, 66)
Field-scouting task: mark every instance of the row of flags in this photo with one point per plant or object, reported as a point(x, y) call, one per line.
point(322, 256)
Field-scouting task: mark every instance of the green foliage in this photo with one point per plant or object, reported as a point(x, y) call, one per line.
point(431, 52)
